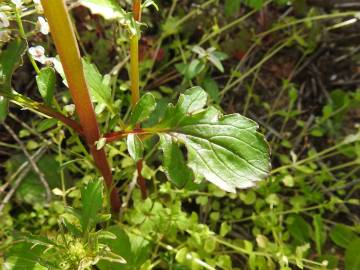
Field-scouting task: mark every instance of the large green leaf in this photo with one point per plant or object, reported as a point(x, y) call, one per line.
point(226, 150)
point(10, 59)
point(91, 196)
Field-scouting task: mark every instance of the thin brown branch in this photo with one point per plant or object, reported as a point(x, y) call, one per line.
point(33, 164)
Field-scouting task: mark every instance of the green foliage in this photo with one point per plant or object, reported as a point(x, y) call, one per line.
point(144, 107)
point(225, 150)
point(174, 163)
point(135, 147)
point(46, 84)
point(352, 259)
point(302, 216)
point(79, 244)
point(10, 59)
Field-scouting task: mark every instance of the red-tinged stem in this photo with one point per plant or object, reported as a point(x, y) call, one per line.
point(134, 77)
point(64, 38)
point(34, 106)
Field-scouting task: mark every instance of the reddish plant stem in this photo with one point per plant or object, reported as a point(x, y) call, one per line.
point(35, 106)
point(62, 118)
point(137, 10)
point(64, 38)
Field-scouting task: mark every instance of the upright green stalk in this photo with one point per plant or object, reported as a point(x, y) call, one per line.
point(134, 77)
point(64, 38)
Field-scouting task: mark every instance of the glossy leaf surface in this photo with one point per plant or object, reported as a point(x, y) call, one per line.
point(226, 150)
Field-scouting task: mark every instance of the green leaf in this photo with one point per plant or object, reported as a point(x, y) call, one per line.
point(194, 68)
point(216, 61)
point(99, 91)
point(46, 83)
point(143, 108)
point(91, 196)
point(24, 256)
point(135, 147)
point(352, 258)
point(298, 228)
point(226, 150)
point(342, 235)
point(46, 124)
point(109, 9)
point(319, 233)
point(10, 59)
point(212, 88)
point(174, 163)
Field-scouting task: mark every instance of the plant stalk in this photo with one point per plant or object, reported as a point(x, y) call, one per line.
point(67, 47)
point(135, 91)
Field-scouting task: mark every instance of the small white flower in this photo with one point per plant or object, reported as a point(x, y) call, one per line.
point(17, 3)
point(38, 53)
point(37, 2)
point(4, 36)
point(44, 26)
point(70, 109)
point(4, 22)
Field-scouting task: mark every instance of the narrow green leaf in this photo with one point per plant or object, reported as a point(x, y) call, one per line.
point(91, 196)
point(319, 233)
point(352, 258)
point(46, 83)
point(135, 147)
point(174, 163)
point(99, 91)
point(226, 150)
point(46, 124)
point(145, 106)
